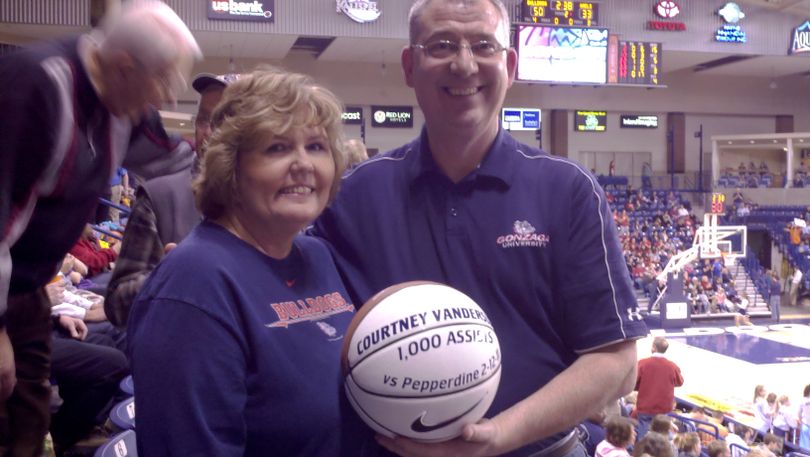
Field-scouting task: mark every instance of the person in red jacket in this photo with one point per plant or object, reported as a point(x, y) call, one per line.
point(88, 250)
point(656, 381)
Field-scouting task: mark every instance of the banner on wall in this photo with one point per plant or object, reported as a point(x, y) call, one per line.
point(361, 11)
point(590, 121)
point(352, 115)
point(392, 116)
point(638, 121)
point(232, 10)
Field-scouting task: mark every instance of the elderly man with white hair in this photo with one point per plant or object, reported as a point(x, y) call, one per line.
point(69, 107)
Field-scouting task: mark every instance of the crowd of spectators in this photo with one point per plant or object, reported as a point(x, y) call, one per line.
point(751, 175)
point(653, 226)
point(698, 432)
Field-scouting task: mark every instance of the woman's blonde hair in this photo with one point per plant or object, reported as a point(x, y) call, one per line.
point(267, 102)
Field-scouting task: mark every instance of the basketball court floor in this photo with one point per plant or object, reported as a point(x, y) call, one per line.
point(721, 365)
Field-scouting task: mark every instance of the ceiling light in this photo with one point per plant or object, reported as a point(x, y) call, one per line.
point(752, 141)
point(183, 124)
point(730, 142)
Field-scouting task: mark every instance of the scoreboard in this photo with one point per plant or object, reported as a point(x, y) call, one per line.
point(718, 203)
point(566, 13)
point(639, 63)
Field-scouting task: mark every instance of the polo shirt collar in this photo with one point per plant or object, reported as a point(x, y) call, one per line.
point(498, 163)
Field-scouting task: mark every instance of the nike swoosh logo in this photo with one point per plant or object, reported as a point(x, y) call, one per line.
point(420, 427)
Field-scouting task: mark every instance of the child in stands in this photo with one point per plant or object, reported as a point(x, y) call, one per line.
point(619, 435)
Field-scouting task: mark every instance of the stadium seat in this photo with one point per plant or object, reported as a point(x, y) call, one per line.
point(127, 385)
point(123, 414)
point(120, 445)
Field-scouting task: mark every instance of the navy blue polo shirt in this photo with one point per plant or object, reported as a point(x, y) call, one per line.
point(527, 235)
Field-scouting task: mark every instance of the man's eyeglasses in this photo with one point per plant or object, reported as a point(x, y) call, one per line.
point(444, 49)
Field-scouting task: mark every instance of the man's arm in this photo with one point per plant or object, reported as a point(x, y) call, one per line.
point(141, 250)
point(153, 153)
point(559, 405)
point(679, 376)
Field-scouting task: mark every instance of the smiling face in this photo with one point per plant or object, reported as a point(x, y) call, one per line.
point(284, 183)
point(461, 93)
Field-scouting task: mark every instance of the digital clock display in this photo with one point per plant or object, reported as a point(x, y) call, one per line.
point(567, 13)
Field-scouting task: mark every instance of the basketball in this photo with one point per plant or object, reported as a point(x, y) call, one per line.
point(421, 360)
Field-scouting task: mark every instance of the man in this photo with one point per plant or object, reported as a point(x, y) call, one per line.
point(68, 107)
point(775, 288)
point(656, 381)
point(163, 213)
point(87, 363)
point(527, 235)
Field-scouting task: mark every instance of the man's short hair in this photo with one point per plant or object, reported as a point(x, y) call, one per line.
point(660, 344)
point(153, 35)
point(770, 438)
point(661, 423)
point(654, 444)
point(418, 6)
point(717, 448)
point(267, 102)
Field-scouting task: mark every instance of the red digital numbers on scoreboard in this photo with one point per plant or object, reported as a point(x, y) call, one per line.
point(718, 203)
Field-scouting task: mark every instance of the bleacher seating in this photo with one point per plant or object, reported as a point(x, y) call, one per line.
point(120, 445)
point(122, 415)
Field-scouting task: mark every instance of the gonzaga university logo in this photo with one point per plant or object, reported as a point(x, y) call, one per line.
point(524, 236)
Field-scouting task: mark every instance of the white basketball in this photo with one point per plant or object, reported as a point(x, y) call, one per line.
point(421, 360)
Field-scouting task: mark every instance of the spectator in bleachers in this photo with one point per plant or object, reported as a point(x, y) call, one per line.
point(653, 445)
point(87, 367)
point(646, 176)
point(795, 233)
point(759, 451)
point(119, 187)
point(702, 301)
point(656, 380)
point(718, 448)
point(619, 435)
point(764, 409)
point(773, 443)
point(356, 151)
point(742, 437)
point(230, 316)
point(708, 434)
point(688, 444)
point(87, 363)
point(662, 424)
point(804, 419)
point(89, 251)
point(784, 420)
point(719, 300)
point(68, 108)
point(164, 212)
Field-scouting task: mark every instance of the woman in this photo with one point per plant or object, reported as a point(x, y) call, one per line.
point(804, 419)
point(763, 409)
point(236, 336)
